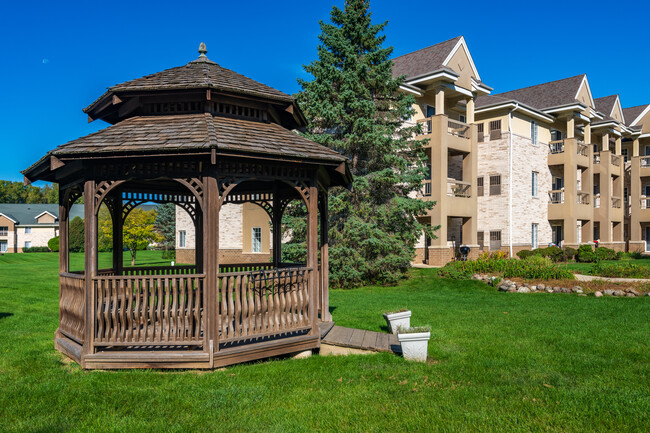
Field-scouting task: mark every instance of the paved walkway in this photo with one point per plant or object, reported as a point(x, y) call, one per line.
point(581, 277)
point(363, 340)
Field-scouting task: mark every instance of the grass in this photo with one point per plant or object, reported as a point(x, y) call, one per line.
point(584, 268)
point(500, 362)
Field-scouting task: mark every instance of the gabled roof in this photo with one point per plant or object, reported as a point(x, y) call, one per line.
point(185, 132)
point(431, 59)
point(486, 103)
point(634, 114)
point(548, 95)
point(26, 213)
point(46, 212)
point(606, 104)
point(201, 73)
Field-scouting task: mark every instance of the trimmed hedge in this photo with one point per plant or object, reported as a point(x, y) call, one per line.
point(36, 250)
point(53, 244)
point(535, 267)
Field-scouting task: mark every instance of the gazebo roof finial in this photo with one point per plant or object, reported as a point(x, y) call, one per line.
point(203, 50)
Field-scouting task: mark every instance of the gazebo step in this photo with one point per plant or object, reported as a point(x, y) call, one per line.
point(362, 340)
point(265, 349)
point(147, 359)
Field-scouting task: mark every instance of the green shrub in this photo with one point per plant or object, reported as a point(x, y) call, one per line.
point(76, 238)
point(570, 253)
point(527, 253)
point(53, 244)
point(603, 253)
point(169, 254)
point(620, 270)
point(586, 254)
point(36, 250)
point(533, 267)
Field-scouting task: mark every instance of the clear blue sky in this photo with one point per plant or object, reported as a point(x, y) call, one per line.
point(57, 57)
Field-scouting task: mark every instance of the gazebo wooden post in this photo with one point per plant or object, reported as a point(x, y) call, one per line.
point(118, 233)
point(90, 253)
point(277, 227)
point(325, 315)
point(312, 256)
point(210, 261)
point(64, 216)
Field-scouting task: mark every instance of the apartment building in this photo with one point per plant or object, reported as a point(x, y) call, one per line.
point(30, 225)
point(637, 150)
point(244, 236)
point(445, 82)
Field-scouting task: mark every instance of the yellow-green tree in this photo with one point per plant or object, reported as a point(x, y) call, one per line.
point(138, 231)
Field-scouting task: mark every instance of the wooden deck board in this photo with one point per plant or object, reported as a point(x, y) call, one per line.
point(361, 339)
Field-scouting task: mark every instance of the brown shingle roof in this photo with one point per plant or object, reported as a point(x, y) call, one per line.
point(200, 73)
point(191, 132)
point(425, 60)
point(547, 95)
point(631, 113)
point(605, 104)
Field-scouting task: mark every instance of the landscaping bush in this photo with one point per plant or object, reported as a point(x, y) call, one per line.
point(570, 253)
point(523, 254)
point(169, 254)
point(620, 270)
point(586, 254)
point(53, 244)
point(534, 267)
point(603, 253)
point(76, 235)
point(36, 250)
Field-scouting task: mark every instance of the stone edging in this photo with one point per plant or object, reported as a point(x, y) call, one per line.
point(506, 285)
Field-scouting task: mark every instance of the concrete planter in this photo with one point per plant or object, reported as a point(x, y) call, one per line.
point(414, 346)
point(401, 319)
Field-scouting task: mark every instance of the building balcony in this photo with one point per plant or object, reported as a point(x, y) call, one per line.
point(455, 134)
point(644, 209)
point(644, 166)
point(561, 152)
point(458, 188)
point(600, 159)
point(560, 207)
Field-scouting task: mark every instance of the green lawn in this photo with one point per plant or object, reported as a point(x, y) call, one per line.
point(583, 268)
point(501, 362)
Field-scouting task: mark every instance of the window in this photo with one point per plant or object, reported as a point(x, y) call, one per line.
point(462, 118)
point(480, 239)
point(28, 244)
point(257, 240)
point(624, 153)
point(625, 194)
point(534, 183)
point(181, 239)
point(495, 129)
point(28, 230)
point(430, 111)
point(495, 185)
point(479, 186)
point(4, 230)
point(479, 130)
point(533, 131)
point(533, 241)
point(646, 150)
point(556, 135)
point(3, 246)
point(495, 240)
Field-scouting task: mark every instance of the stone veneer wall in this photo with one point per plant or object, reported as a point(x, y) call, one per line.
point(526, 210)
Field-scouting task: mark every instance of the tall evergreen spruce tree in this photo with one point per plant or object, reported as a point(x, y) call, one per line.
point(354, 106)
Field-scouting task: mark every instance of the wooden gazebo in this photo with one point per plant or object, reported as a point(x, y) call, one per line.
point(198, 136)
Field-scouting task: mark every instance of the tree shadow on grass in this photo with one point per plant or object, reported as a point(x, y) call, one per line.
point(3, 315)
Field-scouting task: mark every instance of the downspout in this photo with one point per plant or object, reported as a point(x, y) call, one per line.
point(510, 177)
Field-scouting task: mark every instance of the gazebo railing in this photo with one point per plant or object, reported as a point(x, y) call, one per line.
point(148, 310)
point(263, 303)
point(72, 306)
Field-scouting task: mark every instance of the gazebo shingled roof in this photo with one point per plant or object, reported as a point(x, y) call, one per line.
point(199, 136)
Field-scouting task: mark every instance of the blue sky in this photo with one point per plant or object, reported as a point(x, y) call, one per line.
point(57, 57)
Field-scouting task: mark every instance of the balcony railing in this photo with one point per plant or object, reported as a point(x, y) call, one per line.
point(556, 196)
point(458, 188)
point(583, 197)
point(582, 149)
point(426, 189)
point(645, 161)
point(645, 202)
point(426, 125)
point(616, 160)
point(556, 146)
point(616, 202)
point(458, 128)
point(597, 200)
point(596, 157)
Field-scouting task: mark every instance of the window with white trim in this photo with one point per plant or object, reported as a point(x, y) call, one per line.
point(28, 244)
point(534, 242)
point(182, 238)
point(462, 118)
point(533, 131)
point(256, 239)
point(534, 181)
point(4, 230)
point(28, 230)
point(3, 246)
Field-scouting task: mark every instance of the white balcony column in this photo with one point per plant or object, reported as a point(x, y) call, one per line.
point(440, 100)
point(470, 111)
point(604, 143)
point(635, 147)
point(570, 127)
point(587, 135)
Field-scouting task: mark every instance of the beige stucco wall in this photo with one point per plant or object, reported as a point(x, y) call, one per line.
point(46, 218)
point(460, 64)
